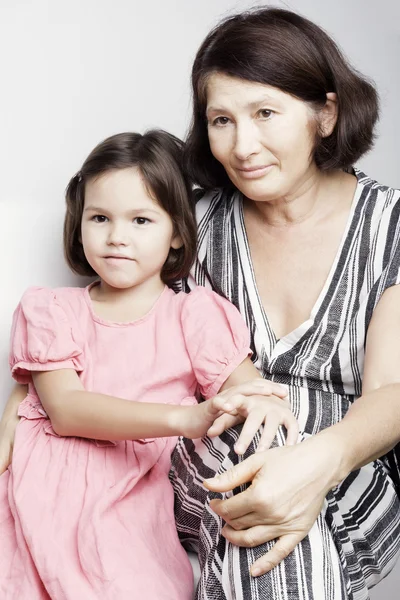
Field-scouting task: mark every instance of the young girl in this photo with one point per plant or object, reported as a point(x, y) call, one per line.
point(87, 508)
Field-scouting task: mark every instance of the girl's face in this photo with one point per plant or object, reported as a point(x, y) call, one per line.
point(126, 234)
point(262, 136)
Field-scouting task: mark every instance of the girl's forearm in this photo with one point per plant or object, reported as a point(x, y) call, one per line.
point(102, 417)
point(370, 428)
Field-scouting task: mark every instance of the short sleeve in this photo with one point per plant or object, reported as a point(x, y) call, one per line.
point(41, 336)
point(216, 337)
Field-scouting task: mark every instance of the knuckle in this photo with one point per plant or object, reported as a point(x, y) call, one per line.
point(250, 539)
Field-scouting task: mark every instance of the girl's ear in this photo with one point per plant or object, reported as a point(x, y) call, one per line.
point(176, 242)
point(329, 114)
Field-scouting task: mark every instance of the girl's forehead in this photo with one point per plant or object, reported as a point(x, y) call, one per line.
point(119, 186)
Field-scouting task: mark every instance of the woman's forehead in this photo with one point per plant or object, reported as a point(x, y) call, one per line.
point(222, 89)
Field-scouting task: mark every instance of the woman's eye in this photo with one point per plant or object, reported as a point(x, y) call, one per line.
point(265, 113)
point(99, 218)
point(141, 220)
point(220, 121)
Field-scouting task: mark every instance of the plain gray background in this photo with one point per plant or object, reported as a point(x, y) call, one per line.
point(75, 72)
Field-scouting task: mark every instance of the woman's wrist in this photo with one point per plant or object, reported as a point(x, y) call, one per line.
point(332, 442)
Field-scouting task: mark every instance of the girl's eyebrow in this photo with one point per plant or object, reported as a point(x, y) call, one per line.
point(92, 208)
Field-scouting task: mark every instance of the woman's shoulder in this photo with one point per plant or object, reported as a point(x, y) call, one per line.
point(381, 196)
point(213, 203)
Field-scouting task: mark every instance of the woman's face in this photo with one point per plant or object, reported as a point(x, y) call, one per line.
point(262, 136)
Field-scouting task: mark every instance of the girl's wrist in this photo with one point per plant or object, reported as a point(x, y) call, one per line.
point(178, 420)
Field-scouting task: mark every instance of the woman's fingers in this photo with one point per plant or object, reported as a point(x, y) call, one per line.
point(281, 549)
point(250, 537)
point(237, 475)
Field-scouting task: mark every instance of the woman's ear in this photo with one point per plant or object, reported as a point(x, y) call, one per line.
point(328, 115)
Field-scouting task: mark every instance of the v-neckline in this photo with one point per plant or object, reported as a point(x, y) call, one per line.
point(281, 345)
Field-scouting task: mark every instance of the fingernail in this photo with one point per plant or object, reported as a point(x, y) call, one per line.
point(238, 449)
point(228, 406)
point(255, 571)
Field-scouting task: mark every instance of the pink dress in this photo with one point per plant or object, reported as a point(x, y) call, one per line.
point(88, 520)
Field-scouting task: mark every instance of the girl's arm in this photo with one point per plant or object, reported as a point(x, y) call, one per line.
point(8, 425)
point(76, 412)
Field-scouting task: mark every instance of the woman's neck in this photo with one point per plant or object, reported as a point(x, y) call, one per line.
point(314, 199)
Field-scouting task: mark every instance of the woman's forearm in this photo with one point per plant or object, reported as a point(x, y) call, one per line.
point(370, 428)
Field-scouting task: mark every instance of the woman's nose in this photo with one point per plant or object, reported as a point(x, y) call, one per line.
point(246, 141)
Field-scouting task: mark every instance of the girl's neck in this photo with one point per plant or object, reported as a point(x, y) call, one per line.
point(125, 304)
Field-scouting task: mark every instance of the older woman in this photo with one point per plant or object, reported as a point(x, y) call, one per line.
point(309, 251)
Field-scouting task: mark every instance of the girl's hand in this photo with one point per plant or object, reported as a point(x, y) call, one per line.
point(288, 488)
point(195, 421)
point(7, 436)
point(270, 411)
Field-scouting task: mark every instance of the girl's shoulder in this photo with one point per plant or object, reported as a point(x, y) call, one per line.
point(45, 299)
point(206, 306)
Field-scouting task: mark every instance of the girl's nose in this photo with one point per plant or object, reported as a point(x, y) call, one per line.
point(118, 235)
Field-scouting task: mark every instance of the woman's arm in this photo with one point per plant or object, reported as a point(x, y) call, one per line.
point(371, 427)
point(8, 425)
point(286, 507)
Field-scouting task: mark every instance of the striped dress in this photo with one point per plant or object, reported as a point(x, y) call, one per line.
point(356, 539)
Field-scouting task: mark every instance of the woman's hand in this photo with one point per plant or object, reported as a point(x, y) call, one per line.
point(196, 421)
point(288, 488)
point(271, 412)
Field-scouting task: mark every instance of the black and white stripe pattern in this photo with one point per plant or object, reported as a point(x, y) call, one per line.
point(356, 539)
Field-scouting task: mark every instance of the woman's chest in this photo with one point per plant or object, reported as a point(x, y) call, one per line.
point(292, 273)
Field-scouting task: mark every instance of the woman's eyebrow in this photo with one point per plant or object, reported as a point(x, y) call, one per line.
point(253, 104)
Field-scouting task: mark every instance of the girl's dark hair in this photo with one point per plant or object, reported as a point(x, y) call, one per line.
point(158, 155)
point(282, 49)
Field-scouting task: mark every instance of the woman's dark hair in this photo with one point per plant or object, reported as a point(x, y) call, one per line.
point(158, 155)
point(282, 49)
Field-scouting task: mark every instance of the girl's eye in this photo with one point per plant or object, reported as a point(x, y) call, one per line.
point(265, 113)
point(220, 121)
point(141, 220)
point(99, 218)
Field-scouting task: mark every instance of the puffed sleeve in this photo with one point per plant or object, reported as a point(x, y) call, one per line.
point(216, 337)
point(41, 336)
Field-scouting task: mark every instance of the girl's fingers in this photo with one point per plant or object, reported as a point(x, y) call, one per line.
point(260, 386)
point(292, 430)
point(225, 421)
point(250, 427)
point(271, 424)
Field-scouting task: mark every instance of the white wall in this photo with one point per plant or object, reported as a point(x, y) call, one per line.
point(75, 72)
